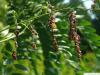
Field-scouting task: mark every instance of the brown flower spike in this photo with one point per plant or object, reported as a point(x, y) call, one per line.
point(34, 34)
point(14, 53)
point(73, 33)
point(53, 28)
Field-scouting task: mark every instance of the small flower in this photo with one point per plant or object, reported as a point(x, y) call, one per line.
point(34, 46)
point(17, 33)
point(14, 55)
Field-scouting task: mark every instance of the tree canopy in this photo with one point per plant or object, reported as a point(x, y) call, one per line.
point(49, 37)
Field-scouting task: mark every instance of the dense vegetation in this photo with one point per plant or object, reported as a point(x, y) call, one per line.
point(48, 37)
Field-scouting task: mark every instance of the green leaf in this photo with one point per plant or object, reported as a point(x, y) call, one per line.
point(20, 66)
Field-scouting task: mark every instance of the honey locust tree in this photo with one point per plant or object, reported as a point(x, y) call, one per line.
point(48, 37)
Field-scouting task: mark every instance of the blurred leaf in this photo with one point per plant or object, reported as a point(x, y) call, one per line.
point(20, 66)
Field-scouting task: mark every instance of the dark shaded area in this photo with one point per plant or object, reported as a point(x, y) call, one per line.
point(46, 45)
point(96, 24)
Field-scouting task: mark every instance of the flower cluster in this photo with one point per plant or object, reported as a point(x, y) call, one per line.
point(34, 34)
point(14, 53)
point(53, 28)
point(73, 33)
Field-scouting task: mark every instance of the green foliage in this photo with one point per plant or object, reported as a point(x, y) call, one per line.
point(42, 59)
